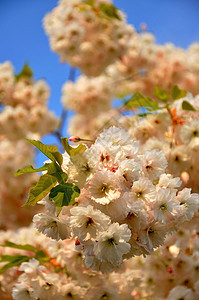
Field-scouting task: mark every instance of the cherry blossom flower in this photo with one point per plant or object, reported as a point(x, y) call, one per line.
point(103, 187)
point(112, 244)
point(86, 220)
point(51, 226)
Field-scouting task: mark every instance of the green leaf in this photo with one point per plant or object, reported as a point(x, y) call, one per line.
point(143, 115)
point(26, 72)
point(187, 106)
point(177, 93)
point(140, 101)
point(109, 10)
point(26, 247)
point(58, 200)
point(13, 261)
point(66, 145)
point(89, 2)
point(70, 150)
point(52, 168)
point(161, 94)
point(44, 185)
point(31, 169)
point(56, 171)
point(64, 176)
point(49, 150)
point(58, 157)
point(64, 194)
point(42, 257)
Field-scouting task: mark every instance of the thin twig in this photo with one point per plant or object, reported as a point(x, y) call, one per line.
point(58, 131)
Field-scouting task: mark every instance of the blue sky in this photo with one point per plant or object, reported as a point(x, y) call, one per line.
point(23, 38)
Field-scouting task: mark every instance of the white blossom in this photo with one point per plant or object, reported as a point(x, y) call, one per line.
point(32, 267)
point(86, 220)
point(22, 292)
point(189, 203)
point(181, 292)
point(167, 181)
point(154, 164)
point(189, 131)
point(103, 187)
point(165, 207)
point(142, 189)
point(112, 244)
point(51, 226)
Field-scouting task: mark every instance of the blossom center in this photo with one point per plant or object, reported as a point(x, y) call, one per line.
point(104, 188)
point(195, 133)
point(125, 176)
point(176, 158)
point(163, 207)
point(111, 241)
point(150, 231)
point(89, 222)
point(130, 216)
point(104, 297)
point(139, 194)
point(148, 167)
point(86, 168)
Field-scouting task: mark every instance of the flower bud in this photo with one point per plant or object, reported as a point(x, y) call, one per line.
point(74, 139)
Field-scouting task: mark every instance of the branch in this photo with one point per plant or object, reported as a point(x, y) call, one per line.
point(58, 131)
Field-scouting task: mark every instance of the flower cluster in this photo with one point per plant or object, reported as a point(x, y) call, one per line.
point(90, 127)
point(176, 133)
point(175, 266)
point(24, 105)
point(90, 99)
point(24, 108)
point(13, 189)
point(127, 203)
point(89, 35)
point(61, 275)
point(147, 64)
point(78, 32)
point(113, 203)
point(39, 279)
point(88, 96)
